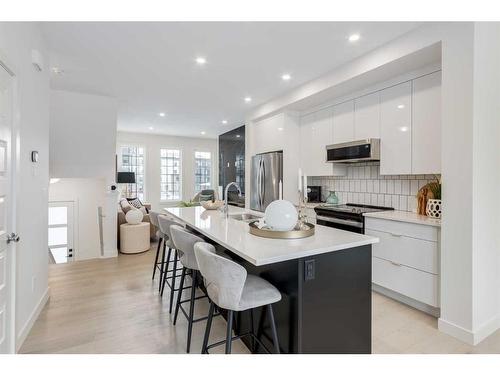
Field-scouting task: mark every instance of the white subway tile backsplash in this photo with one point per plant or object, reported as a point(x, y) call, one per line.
point(363, 184)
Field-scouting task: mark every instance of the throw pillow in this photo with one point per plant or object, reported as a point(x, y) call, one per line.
point(136, 202)
point(126, 207)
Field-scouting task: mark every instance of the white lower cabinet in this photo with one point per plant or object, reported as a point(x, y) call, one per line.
point(406, 261)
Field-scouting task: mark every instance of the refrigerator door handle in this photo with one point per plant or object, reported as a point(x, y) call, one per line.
point(259, 184)
point(263, 183)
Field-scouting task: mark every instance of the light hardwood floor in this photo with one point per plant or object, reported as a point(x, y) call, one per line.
point(111, 306)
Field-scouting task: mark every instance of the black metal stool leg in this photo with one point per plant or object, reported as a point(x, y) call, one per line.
point(179, 294)
point(229, 330)
point(208, 327)
point(191, 307)
point(155, 265)
point(252, 329)
point(172, 288)
point(164, 268)
point(273, 329)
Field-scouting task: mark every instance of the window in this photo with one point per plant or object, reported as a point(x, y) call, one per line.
point(170, 174)
point(132, 160)
point(202, 171)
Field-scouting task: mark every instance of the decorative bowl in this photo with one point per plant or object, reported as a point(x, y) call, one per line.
point(209, 205)
point(281, 215)
point(134, 216)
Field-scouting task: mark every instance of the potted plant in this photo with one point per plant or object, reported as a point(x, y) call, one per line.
point(434, 203)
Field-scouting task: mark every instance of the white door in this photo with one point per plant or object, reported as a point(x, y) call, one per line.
point(61, 232)
point(7, 242)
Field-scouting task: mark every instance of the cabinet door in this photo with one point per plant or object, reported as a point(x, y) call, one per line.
point(322, 136)
point(367, 116)
point(268, 134)
point(307, 123)
point(426, 123)
point(343, 122)
point(395, 130)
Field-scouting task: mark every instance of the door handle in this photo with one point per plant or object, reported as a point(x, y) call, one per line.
point(13, 237)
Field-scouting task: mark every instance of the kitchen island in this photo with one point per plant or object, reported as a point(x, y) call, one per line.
point(325, 281)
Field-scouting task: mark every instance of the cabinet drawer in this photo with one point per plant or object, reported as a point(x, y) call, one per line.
point(419, 285)
point(420, 254)
point(423, 232)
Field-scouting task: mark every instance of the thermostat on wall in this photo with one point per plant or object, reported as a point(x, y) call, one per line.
point(34, 156)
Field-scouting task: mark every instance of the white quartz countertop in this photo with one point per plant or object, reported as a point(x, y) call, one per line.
point(408, 217)
point(235, 236)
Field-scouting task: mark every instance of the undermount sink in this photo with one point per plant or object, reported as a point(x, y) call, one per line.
point(245, 217)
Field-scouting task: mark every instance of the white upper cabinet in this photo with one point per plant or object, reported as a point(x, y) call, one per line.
point(316, 132)
point(343, 122)
point(268, 134)
point(396, 130)
point(426, 121)
point(367, 116)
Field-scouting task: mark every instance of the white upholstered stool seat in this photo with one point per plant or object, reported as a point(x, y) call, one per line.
point(257, 292)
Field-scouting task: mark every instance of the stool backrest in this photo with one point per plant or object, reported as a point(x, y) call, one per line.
point(153, 218)
point(224, 279)
point(165, 224)
point(184, 242)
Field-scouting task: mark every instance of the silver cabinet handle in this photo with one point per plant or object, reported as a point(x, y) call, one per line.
point(395, 234)
point(13, 237)
point(395, 264)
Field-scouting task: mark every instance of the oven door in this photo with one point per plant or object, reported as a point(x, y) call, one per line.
point(344, 223)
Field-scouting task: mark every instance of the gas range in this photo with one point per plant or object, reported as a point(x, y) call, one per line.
point(345, 216)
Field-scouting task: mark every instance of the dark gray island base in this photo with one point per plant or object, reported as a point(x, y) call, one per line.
point(326, 303)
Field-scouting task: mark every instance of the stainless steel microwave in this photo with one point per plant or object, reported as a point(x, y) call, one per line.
point(352, 152)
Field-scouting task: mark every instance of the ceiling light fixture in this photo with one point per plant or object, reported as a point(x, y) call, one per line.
point(248, 99)
point(161, 114)
point(354, 37)
point(280, 129)
point(203, 132)
point(401, 106)
point(201, 60)
point(286, 77)
point(151, 128)
point(224, 122)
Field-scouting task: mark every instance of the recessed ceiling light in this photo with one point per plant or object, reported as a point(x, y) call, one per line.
point(280, 129)
point(203, 132)
point(151, 128)
point(401, 106)
point(161, 114)
point(404, 128)
point(224, 122)
point(354, 37)
point(237, 135)
point(286, 77)
point(248, 99)
point(201, 60)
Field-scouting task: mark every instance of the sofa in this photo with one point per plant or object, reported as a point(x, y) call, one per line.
point(121, 220)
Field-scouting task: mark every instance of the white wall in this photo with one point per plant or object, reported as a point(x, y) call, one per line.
point(486, 215)
point(470, 254)
point(82, 135)
point(87, 194)
point(152, 144)
point(32, 116)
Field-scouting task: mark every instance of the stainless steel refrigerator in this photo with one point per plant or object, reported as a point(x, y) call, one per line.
point(266, 174)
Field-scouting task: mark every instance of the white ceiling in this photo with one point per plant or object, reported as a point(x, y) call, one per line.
point(150, 67)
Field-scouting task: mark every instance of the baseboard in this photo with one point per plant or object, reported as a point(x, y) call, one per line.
point(431, 310)
point(468, 336)
point(458, 332)
point(32, 319)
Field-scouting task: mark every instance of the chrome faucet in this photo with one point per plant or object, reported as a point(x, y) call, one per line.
point(226, 208)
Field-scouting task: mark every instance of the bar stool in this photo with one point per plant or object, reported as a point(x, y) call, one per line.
point(165, 226)
point(153, 217)
point(184, 243)
point(230, 287)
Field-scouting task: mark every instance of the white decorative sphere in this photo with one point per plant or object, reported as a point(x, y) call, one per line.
point(281, 215)
point(134, 217)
